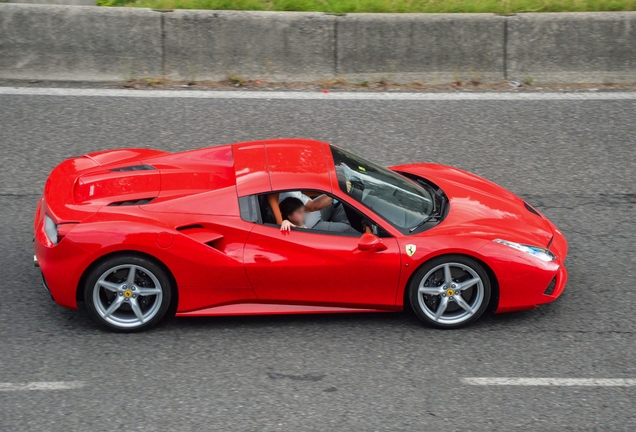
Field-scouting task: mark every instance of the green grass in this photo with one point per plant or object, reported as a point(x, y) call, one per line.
point(399, 6)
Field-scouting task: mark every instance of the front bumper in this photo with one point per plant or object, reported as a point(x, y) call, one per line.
point(561, 279)
point(559, 247)
point(525, 284)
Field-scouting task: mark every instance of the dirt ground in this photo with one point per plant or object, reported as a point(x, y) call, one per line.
point(237, 83)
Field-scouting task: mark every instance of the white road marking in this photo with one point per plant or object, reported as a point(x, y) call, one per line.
point(563, 382)
point(314, 95)
point(42, 385)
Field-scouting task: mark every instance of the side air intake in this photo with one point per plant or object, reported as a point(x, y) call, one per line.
point(134, 168)
point(131, 202)
point(550, 288)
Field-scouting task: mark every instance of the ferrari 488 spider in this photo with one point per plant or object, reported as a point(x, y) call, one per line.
point(137, 235)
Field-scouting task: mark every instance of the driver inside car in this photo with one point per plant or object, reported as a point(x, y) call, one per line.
point(293, 212)
point(322, 214)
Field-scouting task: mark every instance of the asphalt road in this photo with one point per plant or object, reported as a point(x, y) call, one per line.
point(574, 160)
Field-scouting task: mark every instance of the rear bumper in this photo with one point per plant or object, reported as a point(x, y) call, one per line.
point(61, 265)
point(46, 285)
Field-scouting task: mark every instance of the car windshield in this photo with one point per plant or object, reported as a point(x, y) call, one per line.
point(394, 198)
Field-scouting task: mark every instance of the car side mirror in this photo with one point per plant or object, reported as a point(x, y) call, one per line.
point(370, 241)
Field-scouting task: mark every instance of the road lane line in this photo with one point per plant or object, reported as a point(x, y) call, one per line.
point(42, 385)
point(313, 95)
point(559, 382)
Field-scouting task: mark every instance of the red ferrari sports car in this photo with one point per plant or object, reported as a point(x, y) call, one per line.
point(139, 234)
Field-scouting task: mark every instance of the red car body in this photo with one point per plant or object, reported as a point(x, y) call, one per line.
point(222, 264)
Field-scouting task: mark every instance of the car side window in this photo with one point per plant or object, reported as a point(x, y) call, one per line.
point(248, 206)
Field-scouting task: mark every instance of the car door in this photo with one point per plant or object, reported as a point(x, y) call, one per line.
point(306, 267)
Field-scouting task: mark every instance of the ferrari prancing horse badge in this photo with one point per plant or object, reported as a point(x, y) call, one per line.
point(410, 249)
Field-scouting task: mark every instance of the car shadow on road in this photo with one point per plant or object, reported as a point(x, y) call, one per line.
point(405, 320)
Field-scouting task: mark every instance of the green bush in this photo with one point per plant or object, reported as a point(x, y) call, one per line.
point(112, 2)
point(396, 6)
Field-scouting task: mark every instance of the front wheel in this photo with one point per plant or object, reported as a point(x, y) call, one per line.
point(450, 291)
point(127, 293)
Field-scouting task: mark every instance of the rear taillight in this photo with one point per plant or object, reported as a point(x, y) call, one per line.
point(64, 229)
point(51, 229)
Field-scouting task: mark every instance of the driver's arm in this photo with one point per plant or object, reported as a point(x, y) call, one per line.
point(318, 203)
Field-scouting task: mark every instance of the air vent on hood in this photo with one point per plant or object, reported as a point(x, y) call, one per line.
point(131, 202)
point(531, 209)
point(134, 168)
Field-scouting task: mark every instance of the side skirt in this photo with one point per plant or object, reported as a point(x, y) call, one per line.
point(274, 309)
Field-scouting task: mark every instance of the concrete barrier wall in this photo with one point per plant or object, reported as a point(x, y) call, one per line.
point(572, 47)
point(56, 2)
point(104, 44)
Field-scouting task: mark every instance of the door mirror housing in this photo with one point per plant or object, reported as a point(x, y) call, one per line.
point(370, 241)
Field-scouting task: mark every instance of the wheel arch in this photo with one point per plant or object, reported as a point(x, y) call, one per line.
point(79, 293)
point(494, 296)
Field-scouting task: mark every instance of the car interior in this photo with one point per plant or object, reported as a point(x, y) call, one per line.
point(270, 215)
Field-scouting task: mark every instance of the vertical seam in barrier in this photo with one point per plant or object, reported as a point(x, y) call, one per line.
point(505, 49)
point(163, 45)
point(335, 46)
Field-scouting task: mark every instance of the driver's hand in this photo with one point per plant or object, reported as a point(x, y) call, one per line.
point(286, 225)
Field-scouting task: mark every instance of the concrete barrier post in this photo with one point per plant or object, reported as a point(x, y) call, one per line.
point(277, 46)
point(78, 43)
point(420, 47)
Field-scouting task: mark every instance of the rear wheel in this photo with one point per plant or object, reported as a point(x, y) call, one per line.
point(127, 293)
point(450, 291)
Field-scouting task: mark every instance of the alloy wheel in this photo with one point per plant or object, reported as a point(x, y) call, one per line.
point(450, 294)
point(127, 296)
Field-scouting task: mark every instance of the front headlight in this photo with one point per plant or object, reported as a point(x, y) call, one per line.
point(541, 253)
point(51, 229)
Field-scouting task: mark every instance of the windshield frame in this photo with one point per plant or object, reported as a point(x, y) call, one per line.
point(406, 186)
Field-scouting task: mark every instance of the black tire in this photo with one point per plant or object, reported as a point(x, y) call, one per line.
point(464, 270)
point(134, 311)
